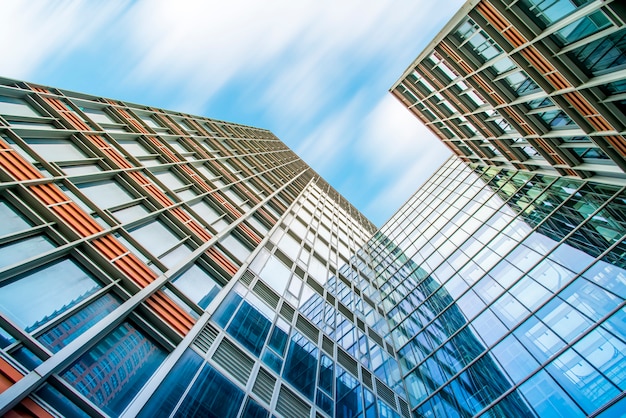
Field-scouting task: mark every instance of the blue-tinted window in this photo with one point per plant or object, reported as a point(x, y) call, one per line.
point(34, 298)
point(136, 353)
point(254, 410)
point(15, 252)
point(301, 365)
point(547, 398)
point(278, 340)
point(225, 311)
point(250, 328)
point(211, 396)
point(603, 55)
point(197, 285)
point(12, 221)
point(67, 331)
point(324, 402)
point(326, 374)
point(272, 360)
point(173, 387)
point(59, 402)
point(349, 402)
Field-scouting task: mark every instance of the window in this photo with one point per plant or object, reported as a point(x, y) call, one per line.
point(15, 252)
point(13, 106)
point(161, 242)
point(36, 297)
point(250, 327)
point(54, 149)
point(12, 221)
point(138, 358)
point(98, 115)
point(68, 330)
point(197, 285)
point(583, 27)
point(520, 83)
point(603, 55)
point(547, 12)
point(105, 193)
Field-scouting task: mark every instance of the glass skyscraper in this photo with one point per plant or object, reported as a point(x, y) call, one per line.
point(155, 263)
point(505, 294)
point(535, 85)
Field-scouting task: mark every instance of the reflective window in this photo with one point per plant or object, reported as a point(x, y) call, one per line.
point(68, 330)
point(301, 365)
point(250, 327)
point(12, 221)
point(583, 27)
point(211, 395)
point(17, 251)
point(34, 298)
point(602, 55)
point(550, 11)
point(112, 372)
point(169, 392)
point(197, 285)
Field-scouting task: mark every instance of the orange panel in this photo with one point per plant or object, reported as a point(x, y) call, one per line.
point(17, 167)
point(619, 143)
point(222, 261)
point(171, 312)
point(499, 22)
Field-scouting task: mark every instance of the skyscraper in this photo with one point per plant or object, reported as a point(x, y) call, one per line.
point(155, 263)
point(505, 294)
point(528, 84)
point(509, 299)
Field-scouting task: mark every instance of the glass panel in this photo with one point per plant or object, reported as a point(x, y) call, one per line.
point(34, 298)
point(15, 252)
point(67, 331)
point(169, 392)
point(16, 107)
point(211, 396)
point(547, 398)
point(250, 328)
point(115, 369)
point(197, 285)
point(602, 55)
point(583, 27)
point(56, 149)
point(276, 274)
point(106, 193)
point(12, 221)
point(301, 365)
point(155, 237)
point(254, 410)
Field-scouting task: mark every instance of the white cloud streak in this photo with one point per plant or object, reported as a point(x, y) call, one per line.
point(315, 72)
point(38, 34)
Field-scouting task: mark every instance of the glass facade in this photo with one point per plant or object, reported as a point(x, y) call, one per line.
point(512, 307)
point(532, 85)
point(154, 263)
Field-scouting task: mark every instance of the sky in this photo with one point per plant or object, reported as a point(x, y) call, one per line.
point(314, 72)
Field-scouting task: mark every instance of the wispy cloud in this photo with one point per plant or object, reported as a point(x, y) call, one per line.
point(40, 34)
point(315, 72)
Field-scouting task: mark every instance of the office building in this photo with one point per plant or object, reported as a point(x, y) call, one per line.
point(505, 272)
point(530, 84)
point(505, 294)
point(153, 262)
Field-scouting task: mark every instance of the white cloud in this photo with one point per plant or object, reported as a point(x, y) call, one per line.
point(315, 72)
point(38, 34)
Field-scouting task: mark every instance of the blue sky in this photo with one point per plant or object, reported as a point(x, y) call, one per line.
point(314, 72)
